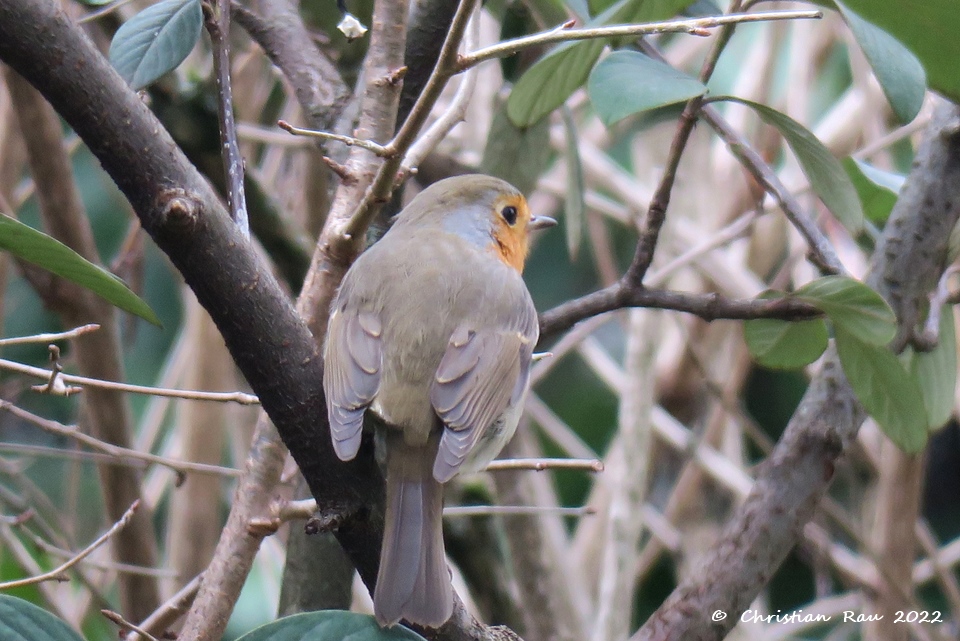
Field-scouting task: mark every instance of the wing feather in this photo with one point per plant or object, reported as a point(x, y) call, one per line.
point(351, 375)
point(482, 373)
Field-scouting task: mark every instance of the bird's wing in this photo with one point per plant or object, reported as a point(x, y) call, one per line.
point(482, 372)
point(351, 375)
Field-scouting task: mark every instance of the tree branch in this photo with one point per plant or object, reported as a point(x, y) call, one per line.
point(709, 307)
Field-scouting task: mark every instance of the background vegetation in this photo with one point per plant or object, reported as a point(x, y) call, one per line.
point(700, 172)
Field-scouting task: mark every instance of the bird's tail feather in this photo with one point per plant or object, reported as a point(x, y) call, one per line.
point(413, 582)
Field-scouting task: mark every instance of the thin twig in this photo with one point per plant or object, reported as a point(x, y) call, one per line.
point(540, 464)
point(169, 612)
point(112, 566)
point(123, 623)
point(256, 133)
point(386, 177)
point(707, 306)
point(693, 26)
point(516, 510)
point(349, 141)
point(218, 26)
point(181, 467)
point(821, 251)
point(455, 112)
point(57, 573)
point(657, 211)
point(190, 395)
point(47, 338)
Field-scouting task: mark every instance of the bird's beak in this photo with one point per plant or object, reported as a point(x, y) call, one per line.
point(541, 222)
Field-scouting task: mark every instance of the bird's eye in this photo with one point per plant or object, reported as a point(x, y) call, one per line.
point(509, 214)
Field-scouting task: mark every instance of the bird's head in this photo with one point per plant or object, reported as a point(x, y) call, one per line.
point(488, 212)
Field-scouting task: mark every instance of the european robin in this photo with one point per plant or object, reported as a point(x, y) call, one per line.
point(433, 329)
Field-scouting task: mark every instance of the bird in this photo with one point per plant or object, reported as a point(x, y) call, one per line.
point(433, 330)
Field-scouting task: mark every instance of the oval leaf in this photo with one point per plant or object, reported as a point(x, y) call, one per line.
point(329, 625)
point(781, 344)
point(22, 621)
point(936, 372)
point(824, 172)
point(898, 71)
point(49, 253)
point(156, 40)
point(878, 190)
point(929, 29)
point(628, 82)
point(853, 307)
point(885, 389)
point(550, 81)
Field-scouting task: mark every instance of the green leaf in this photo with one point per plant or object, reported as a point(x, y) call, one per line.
point(878, 190)
point(156, 40)
point(22, 621)
point(781, 344)
point(550, 81)
point(628, 82)
point(928, 28)
point(935, 372)
point(519, 156)
point(853, 307)
point(574, 209)
point(824, 172)
point(885, 389)
point(898, 71)
point(36, 247)
point(329, 625)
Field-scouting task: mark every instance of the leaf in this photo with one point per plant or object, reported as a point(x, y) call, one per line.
point(878, 190)
point(628, 82)
point(928, 29)
point(853, 307)
point(49, 253)
point(519, 156)
point(781, 344)
point(329, 625)
point(898, 71)
point(156, 40)
point(935, 373)
point(824, 172)
point(22, 621)
point(550, 81)
point(885, 389)
point(574, 210)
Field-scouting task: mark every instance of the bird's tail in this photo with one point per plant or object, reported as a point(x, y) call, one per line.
point(413, 582)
